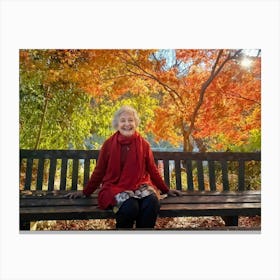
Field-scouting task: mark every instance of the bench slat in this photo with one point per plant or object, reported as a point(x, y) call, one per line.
point(168, 210)
point(40, 174)
point(48, 154)
point(241, 175)
point(75, 171)
point(156, 162)
point(182, 210)
point(59, 193)
point(57, 201)
point(86, 170)
point(217, 156)
point(209, 206)
point(52, 174)
point(200, 175)
point(189, 175)
point(212, 177)
point(65, 213)
point(178, 174)
point(63, 173)
point(28, 177)
point(166, 172)
point(224, 166)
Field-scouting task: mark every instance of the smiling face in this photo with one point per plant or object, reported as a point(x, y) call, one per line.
point(126, 124)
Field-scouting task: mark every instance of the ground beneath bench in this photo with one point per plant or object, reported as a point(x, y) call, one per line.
point(162, 223)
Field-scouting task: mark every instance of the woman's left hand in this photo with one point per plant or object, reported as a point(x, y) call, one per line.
point(174, 193)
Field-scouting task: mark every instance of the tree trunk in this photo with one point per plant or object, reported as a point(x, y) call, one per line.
point(187, 143)
point(42, 120)
point(188, 146)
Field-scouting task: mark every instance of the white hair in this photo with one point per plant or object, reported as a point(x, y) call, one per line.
point(122, 110)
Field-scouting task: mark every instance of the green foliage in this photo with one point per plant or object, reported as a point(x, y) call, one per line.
point(67, 121)
point(253, 175)
point(221, 142)
point(103, 112)
point(53, 110)
point(253, 144)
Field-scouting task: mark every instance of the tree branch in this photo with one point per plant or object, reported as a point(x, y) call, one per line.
point(242, 97)
point(216, 62)
point(205, 85)
point(133, 63)
point(164, 86)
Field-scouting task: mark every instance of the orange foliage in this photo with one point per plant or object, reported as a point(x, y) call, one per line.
point(230, 104)
point(195, 103)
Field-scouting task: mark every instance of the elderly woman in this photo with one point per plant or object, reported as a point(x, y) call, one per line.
point(129, 179)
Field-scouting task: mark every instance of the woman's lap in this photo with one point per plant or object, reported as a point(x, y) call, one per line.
point(144, 211)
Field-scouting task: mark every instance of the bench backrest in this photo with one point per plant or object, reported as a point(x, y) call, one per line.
point(213, 171)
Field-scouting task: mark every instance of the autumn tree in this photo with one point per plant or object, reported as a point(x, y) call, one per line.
point(203, 98)
point(201, 94)
point(66, 101)
point(54, 111)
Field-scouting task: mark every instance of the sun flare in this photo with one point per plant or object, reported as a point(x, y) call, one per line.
point(246, 62)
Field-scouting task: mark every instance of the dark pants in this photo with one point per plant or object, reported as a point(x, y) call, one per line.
point(142, 211)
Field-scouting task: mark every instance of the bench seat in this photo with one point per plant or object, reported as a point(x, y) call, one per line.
point(52, 205)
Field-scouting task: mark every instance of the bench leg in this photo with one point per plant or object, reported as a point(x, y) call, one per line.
point(230, 220)
point(24, 225)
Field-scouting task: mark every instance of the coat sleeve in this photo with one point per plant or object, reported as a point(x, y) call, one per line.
point(98, 173)
point(154, 173)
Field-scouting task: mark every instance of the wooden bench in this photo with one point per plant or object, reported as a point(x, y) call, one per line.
point(213, 184)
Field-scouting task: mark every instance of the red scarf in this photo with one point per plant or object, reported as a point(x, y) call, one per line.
point(133, 169)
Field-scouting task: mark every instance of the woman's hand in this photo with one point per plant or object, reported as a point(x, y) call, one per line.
point(76, 194)
point(174, 193)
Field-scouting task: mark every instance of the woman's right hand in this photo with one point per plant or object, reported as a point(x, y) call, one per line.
point(76, 194)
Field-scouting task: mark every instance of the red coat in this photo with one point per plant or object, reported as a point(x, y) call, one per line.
point(130, 178)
